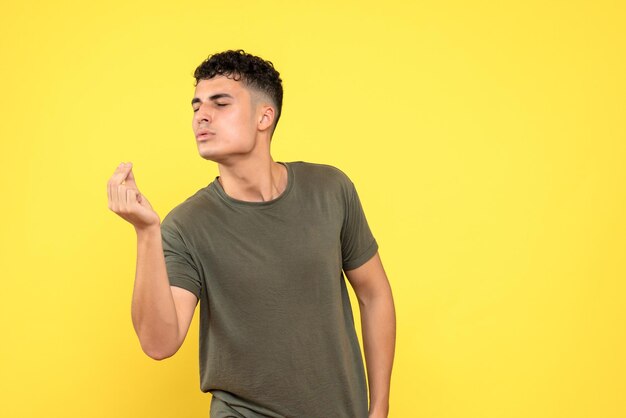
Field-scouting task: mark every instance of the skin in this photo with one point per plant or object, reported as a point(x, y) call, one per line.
point(242, 127)
point(378, 327)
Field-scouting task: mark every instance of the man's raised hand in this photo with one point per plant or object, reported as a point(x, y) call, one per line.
point(126, 200)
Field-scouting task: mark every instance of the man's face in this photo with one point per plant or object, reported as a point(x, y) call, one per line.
point(224, 119)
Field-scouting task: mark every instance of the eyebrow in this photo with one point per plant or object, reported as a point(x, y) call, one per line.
point(214, 97)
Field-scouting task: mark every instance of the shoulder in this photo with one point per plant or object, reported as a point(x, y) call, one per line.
point(321, 173)
point(184, 212)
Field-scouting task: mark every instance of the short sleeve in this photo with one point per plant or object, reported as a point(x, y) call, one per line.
point(181, 269)
point(358, 244)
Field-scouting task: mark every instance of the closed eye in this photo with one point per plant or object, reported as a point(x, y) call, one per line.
point(219, 104)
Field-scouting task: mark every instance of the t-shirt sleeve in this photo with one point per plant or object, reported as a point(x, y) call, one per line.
point(181, 269)
point(358, 244)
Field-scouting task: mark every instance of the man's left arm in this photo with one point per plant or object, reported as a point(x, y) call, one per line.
point(378, 326)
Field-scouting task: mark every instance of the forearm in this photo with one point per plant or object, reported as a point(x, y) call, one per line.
point(378, 325)
point(153, 310)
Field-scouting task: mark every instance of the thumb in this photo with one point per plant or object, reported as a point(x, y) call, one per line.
point(129, 180)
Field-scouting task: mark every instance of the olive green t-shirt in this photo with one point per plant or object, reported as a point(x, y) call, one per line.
point(277, 331)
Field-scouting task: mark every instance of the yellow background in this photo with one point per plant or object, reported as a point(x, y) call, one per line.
point(486, 140)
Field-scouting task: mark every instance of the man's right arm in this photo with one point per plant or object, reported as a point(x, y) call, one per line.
point(161, 313)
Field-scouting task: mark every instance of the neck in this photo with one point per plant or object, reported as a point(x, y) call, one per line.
point(253, 180)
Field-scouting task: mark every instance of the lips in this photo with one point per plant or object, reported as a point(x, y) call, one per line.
point(203, 133)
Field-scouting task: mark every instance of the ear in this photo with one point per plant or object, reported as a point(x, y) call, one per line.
point(266, 117)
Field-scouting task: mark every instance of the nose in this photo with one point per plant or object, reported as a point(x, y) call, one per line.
point(203, 114)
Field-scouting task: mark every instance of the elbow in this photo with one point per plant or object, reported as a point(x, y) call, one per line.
point(156, 352)
point(159, 357)
point(157, 347)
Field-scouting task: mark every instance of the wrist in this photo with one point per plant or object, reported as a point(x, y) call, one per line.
point(149, 230)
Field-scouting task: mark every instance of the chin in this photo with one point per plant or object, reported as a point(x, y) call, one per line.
point(211, 157)
point(208, 156)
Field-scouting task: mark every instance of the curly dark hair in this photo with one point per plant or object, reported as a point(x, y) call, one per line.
point(253, 71)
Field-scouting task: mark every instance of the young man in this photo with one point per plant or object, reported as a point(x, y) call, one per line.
point(262, 247)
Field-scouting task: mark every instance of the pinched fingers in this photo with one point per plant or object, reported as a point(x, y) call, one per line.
point(131, 197)
point(126, 199)
point(116, 190)
point(121, 198)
